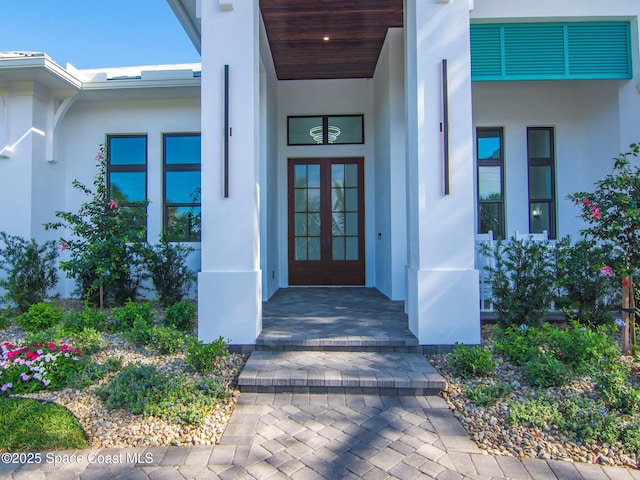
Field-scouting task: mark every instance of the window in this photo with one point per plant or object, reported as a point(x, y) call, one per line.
point(182, 187)
point(325, 130)
point(127, 174)
point(490, 181)
point(541, 159)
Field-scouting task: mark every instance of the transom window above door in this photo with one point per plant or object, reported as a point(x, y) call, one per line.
point(325, 130)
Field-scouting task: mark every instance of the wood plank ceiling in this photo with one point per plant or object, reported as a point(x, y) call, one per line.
point(323, 39)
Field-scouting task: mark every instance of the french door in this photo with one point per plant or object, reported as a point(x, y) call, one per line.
point(326, 221)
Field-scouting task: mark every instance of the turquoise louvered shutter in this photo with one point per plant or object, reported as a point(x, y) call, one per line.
point(550, 51)
point(599, 50)
point(530, 49)
point(486, 50)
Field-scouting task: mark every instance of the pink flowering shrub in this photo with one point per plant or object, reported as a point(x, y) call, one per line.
point(104, 240)
point(33, 367)
point(612, 215)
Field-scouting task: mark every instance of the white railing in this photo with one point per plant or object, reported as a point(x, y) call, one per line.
point(483, 261)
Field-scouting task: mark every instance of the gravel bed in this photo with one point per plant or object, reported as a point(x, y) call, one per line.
point(117, 428)
point(489, 426)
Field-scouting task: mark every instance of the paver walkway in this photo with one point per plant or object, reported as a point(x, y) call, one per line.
point(318, 436)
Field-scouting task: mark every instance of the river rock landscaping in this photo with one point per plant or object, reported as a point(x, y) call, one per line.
point(170, 367)
point(546, 409)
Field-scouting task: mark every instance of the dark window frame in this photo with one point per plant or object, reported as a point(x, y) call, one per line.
point(491, 162)
point(130, 168)
point(178, 167)
point(325, 129)
point(544, 162)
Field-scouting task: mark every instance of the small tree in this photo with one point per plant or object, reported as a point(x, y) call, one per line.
point(612, 213)
point(105, 243)
point(30, 270)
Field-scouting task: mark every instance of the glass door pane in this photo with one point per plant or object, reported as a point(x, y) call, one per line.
point(344, 212)
point(306, 207)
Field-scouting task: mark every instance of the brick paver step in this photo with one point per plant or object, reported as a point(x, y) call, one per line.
point(388, 373)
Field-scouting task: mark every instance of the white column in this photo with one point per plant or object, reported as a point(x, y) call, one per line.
point(229, 285)
point(442, 284)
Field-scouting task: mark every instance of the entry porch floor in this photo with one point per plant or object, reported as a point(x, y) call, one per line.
point(332, 318)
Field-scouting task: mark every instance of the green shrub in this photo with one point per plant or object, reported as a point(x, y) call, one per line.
point(166, 340)
point(583, 350)
point(86, 318)
point(29, 270)
point(5, 319)
point(140, 332)
point(167, 267)
point(487, 395)
point(123, 318)
point(51, 334)
point(40, 316)
point(522, 281)
point(470, 362)
point(202, 356)
point(550, 355)
point(518, 344)
point(89, 340)
point(180, 316)
point(583, 291)
point(537, 412)
point(613, 383)
point(545, 370)
point(145, 390)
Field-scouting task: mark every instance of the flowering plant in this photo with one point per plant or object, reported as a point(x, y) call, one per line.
point(612, 214)
point(105, 245)
point(29, 368)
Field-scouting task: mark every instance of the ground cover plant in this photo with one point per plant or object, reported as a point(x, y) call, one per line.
point(554, 391)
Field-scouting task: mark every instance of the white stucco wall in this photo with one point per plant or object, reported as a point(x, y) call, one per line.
point(85, 128)
point(585, 117)
point(551, 9)
point(322, 97)
point(390, 169)
point(270, 226)
point(16, 171)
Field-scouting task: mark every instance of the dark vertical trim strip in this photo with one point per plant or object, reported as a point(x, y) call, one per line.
point(226, 131)
point(445, 128)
